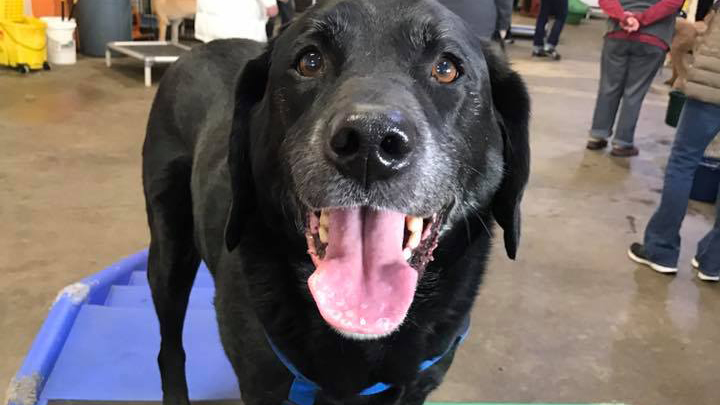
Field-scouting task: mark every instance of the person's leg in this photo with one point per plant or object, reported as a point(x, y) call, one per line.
point(703, 8)
point(302, 5)
point(560, 9)
point(542, 18)
point(709, 247)
point(699, 122)
point(270, 27)
point(643, 64)
point(285, 10)
point(613, 73)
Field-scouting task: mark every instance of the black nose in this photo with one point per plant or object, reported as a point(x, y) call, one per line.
point(371, 146)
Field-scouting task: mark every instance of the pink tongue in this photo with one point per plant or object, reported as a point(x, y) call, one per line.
point(364, 285)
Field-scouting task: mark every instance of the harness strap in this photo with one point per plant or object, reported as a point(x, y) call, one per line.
point(303, 391)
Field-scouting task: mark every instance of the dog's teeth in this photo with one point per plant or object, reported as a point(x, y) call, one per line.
point(323, 234)
point(414, 239)
point(324, 219)
point(407, 253)
point(414, 224)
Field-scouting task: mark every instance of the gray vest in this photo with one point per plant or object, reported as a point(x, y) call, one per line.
point(663, 29)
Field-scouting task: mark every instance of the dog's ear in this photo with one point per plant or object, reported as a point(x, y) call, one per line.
point(512, 107)
point(248, 93)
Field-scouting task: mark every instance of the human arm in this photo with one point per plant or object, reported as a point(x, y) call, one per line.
point(658, 11)
point(613, 9)
point(270, 7)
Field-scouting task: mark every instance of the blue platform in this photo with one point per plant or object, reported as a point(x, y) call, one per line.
point(100, 340)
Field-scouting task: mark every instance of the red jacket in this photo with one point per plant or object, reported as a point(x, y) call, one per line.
point(658, 11)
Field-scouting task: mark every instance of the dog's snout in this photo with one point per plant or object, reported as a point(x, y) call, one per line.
point(371, 146)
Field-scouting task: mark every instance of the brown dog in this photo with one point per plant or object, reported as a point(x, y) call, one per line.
point(683, 43)
point(172, 11)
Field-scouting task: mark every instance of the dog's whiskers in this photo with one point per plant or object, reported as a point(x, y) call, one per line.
point(477, 215)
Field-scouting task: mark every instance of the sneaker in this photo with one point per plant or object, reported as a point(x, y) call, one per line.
point(706, 277)
point(539, 53)
point(552, 54)
point(637, 254)
point(596, 144)
point(702, 276)
point(631, 151)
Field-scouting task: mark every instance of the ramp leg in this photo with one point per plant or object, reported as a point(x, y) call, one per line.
point(148, 73)
point(108, 58)
point(175, 31)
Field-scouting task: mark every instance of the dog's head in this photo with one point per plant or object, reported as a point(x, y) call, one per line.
point(373, 127)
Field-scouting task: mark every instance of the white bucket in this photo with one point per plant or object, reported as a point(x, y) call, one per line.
point(61, 41)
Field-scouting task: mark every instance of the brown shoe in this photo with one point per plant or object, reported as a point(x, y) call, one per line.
point(618, 151)
point(597, 144)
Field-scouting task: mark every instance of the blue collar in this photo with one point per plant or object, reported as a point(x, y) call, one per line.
point(303, 391)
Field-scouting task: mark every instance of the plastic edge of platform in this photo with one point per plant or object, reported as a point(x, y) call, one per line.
point(26, 387)
point(118, 273)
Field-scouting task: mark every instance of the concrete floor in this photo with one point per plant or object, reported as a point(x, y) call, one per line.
point(571, 321)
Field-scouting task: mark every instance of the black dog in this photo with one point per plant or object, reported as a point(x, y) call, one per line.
point(341, 185)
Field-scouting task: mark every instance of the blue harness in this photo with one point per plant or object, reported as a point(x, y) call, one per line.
point(303, 391)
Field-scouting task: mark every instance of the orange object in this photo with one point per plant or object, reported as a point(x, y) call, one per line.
point(136, 21)
point(46, 8)
point(136, 34)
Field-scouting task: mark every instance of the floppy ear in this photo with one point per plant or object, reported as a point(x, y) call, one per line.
point(512, 107)
point(249, 91)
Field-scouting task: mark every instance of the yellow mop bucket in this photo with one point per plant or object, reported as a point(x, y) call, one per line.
point(22, 39)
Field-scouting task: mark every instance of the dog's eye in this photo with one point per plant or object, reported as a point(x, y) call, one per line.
point(310, 64)
point(445, 71)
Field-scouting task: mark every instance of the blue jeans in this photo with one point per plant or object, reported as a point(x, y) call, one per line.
point(699, 123)
point(558, 8)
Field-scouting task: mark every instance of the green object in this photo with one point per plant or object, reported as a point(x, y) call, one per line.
point(577, 7)
point(675, 106)
point(574, 19)
point(577, 10)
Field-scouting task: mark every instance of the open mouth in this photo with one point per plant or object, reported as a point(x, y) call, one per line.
point(367, 264)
